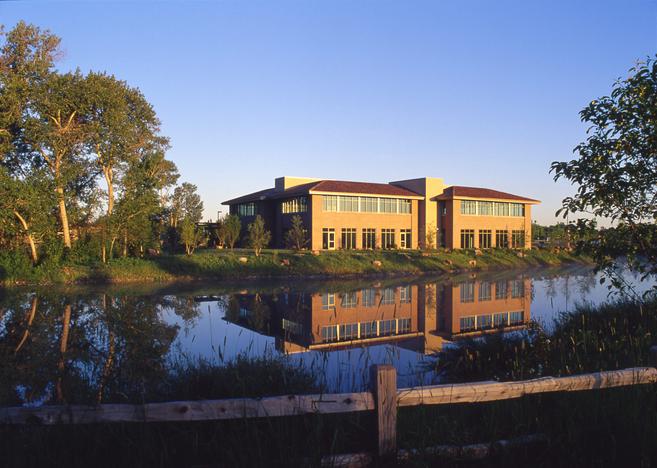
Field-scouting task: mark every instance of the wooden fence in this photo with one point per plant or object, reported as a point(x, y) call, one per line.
point(384, 398)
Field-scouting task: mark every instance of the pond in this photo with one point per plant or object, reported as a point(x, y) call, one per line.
point(78, 344)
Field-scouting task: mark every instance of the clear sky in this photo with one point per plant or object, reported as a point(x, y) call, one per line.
point(480, 93)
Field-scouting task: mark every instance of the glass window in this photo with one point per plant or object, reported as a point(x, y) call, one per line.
point(405, 239)
point(485, 208)
point(405, 294)
point(467, 323)
point(468, 207)
point(388, 205)
point(387, 327)
point(516, 318)
point(403, 325)
point(246, 209)
point(369, 204)
point(388, 239)
point(292, 327)
point(404, 206)
point(369, 238)
point(517, 288)
point(502, 239)
point(330, 333)
point(467, 291)
point(295, 205)
point(328, 301)
point(501, 209)
point(348, 203)
point(467, 238)
point(348, 238)
point(368, 329)
point(517, 209)
point(517, 239)
point(485, 239)
point(369, 297)
point(500, 320)
point(349, 300)
point(328, 238)
point(349, 331)
point(484, 322)
point(388, 296)
point(330, 202)
point(485, 291)
point(501, 290)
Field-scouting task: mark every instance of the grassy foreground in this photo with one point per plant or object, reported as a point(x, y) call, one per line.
point(235, 264)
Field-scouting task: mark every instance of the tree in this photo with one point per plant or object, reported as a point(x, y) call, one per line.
point(258, 237)
point(186, 203)
point(190, 235)
point(296, 237)
point(232, 226)
point(615, 172)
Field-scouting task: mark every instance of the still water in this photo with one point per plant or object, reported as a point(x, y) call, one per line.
point(88, 339)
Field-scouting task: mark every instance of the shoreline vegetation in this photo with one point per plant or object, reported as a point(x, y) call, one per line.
point(243, 264)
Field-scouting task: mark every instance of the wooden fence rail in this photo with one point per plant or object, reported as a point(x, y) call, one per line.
point(384, 398)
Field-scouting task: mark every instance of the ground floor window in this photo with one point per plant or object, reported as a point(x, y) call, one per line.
point(328, 238)
point(348, 238)
point(405, 294)
point(405, 240)
point(369, 238)
point(349, 300)
point(388, 296)
point(502, 239)
point(467, 292)
point(517, 239)
point(328, 301)
point(485, 291)
point(467, 238)
point(501, 290)
point(443, 238)
point(485, 239)
point(388, 239)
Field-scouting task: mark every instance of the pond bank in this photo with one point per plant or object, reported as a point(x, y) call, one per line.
point(242, 264)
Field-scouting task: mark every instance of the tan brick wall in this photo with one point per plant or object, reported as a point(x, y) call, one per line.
point(336, 220)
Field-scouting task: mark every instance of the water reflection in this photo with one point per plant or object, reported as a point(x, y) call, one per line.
point(106, 344)
point(419, 317)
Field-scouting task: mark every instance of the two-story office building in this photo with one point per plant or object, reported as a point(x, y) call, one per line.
point(404, 214)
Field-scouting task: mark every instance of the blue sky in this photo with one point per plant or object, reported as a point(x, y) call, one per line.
point(480, 93)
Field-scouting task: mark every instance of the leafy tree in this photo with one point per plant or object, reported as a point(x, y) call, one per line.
point(615, 172)
point(296, 237)
point(186, 203)
point(232, 226)
point(190, 235)
point(258, 237)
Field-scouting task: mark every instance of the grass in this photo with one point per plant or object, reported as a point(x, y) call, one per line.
point(228, 264)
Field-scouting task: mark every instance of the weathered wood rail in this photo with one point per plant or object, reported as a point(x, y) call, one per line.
point(384, 398)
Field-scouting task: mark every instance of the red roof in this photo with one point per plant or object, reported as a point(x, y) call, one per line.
point(456, 191)
point(332, 186)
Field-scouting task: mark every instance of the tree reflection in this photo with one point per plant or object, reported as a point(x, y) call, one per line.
point(57, 348)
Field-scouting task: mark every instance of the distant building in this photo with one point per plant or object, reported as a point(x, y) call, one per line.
point(406, 214)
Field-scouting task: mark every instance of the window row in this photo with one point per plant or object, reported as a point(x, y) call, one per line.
point(486, 239)
point(246, 209)
point(294, 205)
point(368, 238)
point(369, 298)
point(467, 290)
point(345, 203)
point(485, 322)
point(489, 208)
point(361, 330)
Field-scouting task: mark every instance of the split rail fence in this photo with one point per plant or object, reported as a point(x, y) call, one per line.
point(384, 398)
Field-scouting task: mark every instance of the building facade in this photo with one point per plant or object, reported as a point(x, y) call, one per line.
point(405, 214)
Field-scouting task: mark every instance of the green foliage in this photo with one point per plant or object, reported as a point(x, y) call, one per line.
point(297, 236)
point(186, 203)
point(258, 237)
point(228, 230)
point(190, 235)
point(615, 173)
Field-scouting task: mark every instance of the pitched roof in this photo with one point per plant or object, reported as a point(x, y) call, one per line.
point(457, 191)
point(331, 186)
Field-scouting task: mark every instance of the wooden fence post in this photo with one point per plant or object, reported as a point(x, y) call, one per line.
point(653, 356)
point(383, 382)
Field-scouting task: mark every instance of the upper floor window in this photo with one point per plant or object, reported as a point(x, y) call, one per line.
point(353, 204)
point(295, 205)
point(516, 209)
point(468, 207)
point(348, 203)
point(246, 209)
point(330, 202)
point(404, 206)
point(388, 205)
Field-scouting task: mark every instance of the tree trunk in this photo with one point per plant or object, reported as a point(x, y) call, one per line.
point(63, 345)
point(64, 218)
point(111, 249)
point(30, 319)
point(111, 349)
point(30, 239)
point(125, 242)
